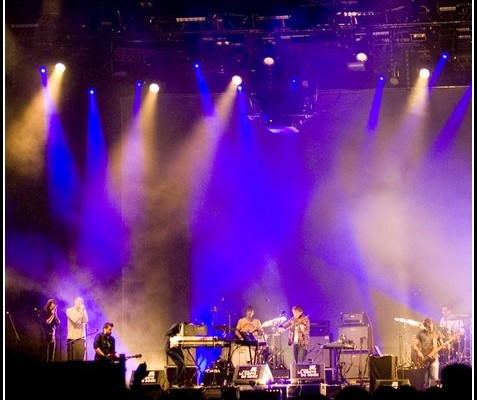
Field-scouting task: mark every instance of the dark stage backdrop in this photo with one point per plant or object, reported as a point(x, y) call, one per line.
point(205, 216)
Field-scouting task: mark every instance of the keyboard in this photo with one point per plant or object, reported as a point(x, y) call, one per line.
point(186, 342)
point(338, 345)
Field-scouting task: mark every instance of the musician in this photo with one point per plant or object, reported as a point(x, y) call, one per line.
point(176, 355)
point(105, 344)
point(452, 325)
point(426, 345)
point(77, 318)
point(48, 316)
point(248, 327)
point(299, 334)
point(450, 322)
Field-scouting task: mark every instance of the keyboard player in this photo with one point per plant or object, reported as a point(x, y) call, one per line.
point(176, 354)
point(248, 331)
point(249, 328)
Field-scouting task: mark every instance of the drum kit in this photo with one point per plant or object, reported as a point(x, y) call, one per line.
point(272, 351)
point(268, 348)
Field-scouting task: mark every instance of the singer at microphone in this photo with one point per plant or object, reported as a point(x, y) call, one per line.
point(49, 321)
point(77, 318)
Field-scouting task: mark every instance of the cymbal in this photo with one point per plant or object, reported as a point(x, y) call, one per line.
point(408, 321)
point(273, 322)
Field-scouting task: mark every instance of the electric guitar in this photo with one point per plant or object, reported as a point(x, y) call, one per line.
point(430, 356)
point(113, 357)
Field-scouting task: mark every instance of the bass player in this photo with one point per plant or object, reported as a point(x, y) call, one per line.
point(426, 346)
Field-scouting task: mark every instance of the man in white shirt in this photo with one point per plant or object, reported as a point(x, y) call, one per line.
point(77, 318)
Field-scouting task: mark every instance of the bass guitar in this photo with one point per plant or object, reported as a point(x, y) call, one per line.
point(431, 355)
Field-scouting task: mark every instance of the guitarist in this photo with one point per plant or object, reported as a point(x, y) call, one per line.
point(105, 344)
point(426, 345)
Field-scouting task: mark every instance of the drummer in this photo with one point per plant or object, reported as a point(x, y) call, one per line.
point(249, 328)
point(451, 323)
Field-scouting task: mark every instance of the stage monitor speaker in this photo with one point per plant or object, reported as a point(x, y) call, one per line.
point(415, 376)
point(150, 387)
point(354, 364)
point(258, 374)
point(381, 367)
point(151, 378)
point(306, 373)
point(360, 335)
point(395, 383)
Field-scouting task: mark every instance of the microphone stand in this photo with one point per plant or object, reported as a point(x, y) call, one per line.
point(17, 337)
point(86, 342)
point(60, 352)
point(42, 336)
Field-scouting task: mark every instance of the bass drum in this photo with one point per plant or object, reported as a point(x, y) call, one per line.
point(242, 355)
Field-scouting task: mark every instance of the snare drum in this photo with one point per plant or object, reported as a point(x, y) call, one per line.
point(242, 355)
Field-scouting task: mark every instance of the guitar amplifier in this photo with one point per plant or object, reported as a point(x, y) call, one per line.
point(192, 330)
point(354, 318)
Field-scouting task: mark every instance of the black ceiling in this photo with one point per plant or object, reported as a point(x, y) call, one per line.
point(311, 39)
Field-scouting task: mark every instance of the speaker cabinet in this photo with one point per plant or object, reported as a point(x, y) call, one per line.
point(384, 367)
point(360, 335)
point(415, 376)
point(317, 354)
point(189, 358)
point(354, 364)
point(190, 375)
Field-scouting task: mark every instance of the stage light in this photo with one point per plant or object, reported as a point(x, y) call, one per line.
point(394, 81)
point(381, 78)
point(236, 80)
point(424, 73)
point(154, 87)
point(60, 67)
point(268, 61)
point(91, 91)
point(445, 56)
point(196, 65)
point(362, 57)
point(138, 83)
point(42, 70)
point(240, 88)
